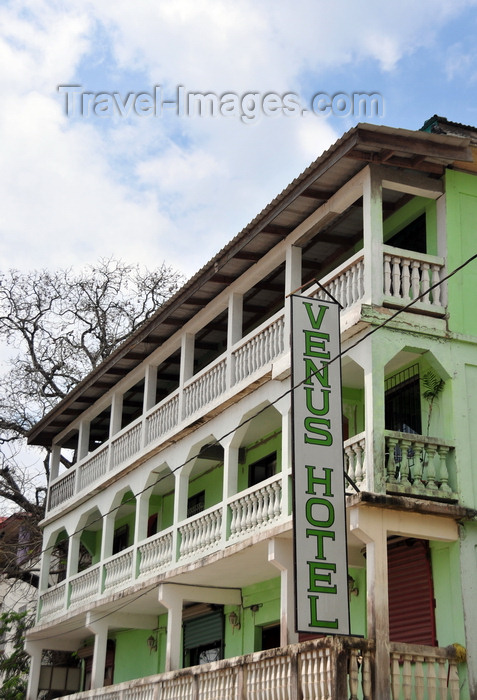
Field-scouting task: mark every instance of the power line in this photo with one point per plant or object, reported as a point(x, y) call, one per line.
point(218, 441)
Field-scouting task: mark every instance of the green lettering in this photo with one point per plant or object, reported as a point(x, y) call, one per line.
point(311, 503)
point(315, 344)
point(320, 535)
point(318, 320)
point(315, 576)
point(325, 480)
point(325, 393)
point(314, 621)
point(312, 371)
point(312, 426)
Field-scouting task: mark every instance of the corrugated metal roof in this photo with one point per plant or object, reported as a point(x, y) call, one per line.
point(363, 144)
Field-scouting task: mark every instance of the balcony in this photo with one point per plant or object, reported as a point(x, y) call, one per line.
point(405, 276)
point(249, 513)
point(339, 667)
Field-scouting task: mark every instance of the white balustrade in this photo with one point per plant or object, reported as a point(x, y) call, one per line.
point(163, 418)
point(407, 275)
point(204, 389)
point(200, 533)
point(259, 350)
point(218, 685)
point(345, 283)
point(52, 601)
point(270, 679)
point(427, 672)
point(156, 553)
point(93, 469)
point(62, 490)
point(126, 445)
point(256, 508)
point(355, 461)
point(118, 570)
point(84, 586)
point(418, 464)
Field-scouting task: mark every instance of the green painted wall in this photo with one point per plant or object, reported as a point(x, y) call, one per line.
point(461, 212)
point(212, 483)
point(257, 450)
point(133, 658)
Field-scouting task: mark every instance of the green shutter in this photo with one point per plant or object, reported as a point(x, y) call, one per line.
point(203, 630)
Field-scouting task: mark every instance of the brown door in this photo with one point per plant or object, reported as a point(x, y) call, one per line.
point(411, 593)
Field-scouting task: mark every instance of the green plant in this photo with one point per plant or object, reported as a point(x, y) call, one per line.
point(15, 665)
point(433, 387)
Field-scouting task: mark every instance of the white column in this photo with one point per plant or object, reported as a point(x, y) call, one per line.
point(234, 332)
point(34, 650)
point(108, 535)
point(369, 525)
point(468, 567)
point(181, 479)
point(55, 455)
point(373, 238)
point(186, 367)
point(280, 554)
point(73, 555)
point(150, 383)
point(142, 516)
point(293, 274)
point(100, 630)
point(116, 414)
point(83, 439)
point(172, 600)
point(231, 459)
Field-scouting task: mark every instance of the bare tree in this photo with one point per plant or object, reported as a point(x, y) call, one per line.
point(57, 327)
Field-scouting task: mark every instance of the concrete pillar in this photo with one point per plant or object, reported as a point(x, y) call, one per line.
point(181, 486)
point(150, 383)
point(100, 630)
point(280, 554)
point(234, 333)
point(172, 600)
point(116, 414)
point(83, 439)
point(468, 566)
point(55, 455)
point(108, 535)
point(34, 650)
point(73, 555)
point(293, 275)
point(373, 238)
point(370, 527)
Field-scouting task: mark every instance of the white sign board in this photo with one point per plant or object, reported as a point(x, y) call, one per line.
point(319, 509)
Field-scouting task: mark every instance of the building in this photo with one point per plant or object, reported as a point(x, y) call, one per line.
point(175, 521)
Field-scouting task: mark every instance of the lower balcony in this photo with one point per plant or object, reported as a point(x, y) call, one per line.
point(324, 669)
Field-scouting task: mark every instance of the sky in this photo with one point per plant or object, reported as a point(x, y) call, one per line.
point(106, 168)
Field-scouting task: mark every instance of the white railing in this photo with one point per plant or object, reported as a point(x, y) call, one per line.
point(256, 508)
point(62, 489)
point(355, 462)
point(204, 388)
point(84, 586)
point(263, 347)
point(126, 445)
point(423, 672)
point(325, 669)
point(345, 283)
point(201, 532)
point(53, 601)
point(407, 275)
point(119, 569)
point(93, 469)
point(163, 418)
point(156, 553)
point(418, 464)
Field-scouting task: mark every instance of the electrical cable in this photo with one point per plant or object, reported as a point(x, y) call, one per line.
point(218, 441)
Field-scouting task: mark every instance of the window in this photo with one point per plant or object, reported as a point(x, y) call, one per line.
point(121, 538)
point(203, 638)
point(411, 237)
point(195, 504)
point(262, 469)
point(403, 401)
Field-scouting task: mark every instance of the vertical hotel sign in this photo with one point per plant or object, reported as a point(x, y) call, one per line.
point(321, 575)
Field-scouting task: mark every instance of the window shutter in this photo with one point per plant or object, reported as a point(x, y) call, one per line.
point(199, 631)
point(411, 593)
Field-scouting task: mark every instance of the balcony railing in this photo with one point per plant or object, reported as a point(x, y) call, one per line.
point(249, 356)
point(249, 513)
point(414, 464)
point(323, 669)
point(317, 670)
